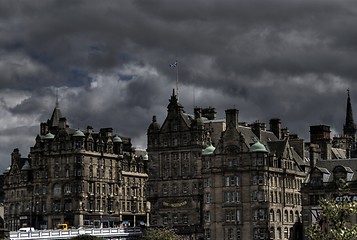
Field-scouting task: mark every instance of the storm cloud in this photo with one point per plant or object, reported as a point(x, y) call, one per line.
point(109, 62)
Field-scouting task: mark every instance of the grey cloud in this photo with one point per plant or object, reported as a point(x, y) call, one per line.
point(287, 59)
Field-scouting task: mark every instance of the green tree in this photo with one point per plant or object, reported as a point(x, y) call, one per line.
point(159, 234)
point(333, 221)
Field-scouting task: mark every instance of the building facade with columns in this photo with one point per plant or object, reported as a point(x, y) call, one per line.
point(78, 177)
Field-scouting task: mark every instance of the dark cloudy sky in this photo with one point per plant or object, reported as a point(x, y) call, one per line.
point(109, 61)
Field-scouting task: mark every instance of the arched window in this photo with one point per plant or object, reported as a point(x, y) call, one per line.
point(278, 215)
point(56, 171)
point(91, 171)
point(291, 216)
point(57, 189)
point(272, 215)
point(272, 233)
point(278, 232)
point(67, 188)
point(296, 216)
point(67, 171)
point(286, 216)
point(286, 233)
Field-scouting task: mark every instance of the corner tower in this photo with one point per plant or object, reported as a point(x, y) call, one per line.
point(175, 182)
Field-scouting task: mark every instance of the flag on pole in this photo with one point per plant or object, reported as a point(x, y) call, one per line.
point(174, 64)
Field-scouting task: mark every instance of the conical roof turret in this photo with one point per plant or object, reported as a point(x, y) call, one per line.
point(56, 116)
point(349, 129)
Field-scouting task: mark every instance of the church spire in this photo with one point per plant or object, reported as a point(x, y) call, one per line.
point(349, 129)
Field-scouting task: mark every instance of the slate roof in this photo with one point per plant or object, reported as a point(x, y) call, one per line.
point(338, 153)
point(327, 166)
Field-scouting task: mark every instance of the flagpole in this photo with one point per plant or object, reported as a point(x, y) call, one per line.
point(177, 88)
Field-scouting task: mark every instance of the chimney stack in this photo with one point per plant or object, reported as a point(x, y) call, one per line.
point(232, 118)
point(275, 127)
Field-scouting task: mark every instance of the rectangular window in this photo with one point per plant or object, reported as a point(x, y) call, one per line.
point(98, 189)
point(165, 220)
point(238, 215)
point(207, 216)
point(207, 182)
point(164, 188)
point(227, 181)
point(184, 188)
point(90, 187)
point(208, 234)
point(232, 181)
point(98, 205)
point(208, 197)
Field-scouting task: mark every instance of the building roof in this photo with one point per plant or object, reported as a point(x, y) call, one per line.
point(78, 133)
point(350, 166)
point(258, 147)
point(208, 150)
point(338, 153)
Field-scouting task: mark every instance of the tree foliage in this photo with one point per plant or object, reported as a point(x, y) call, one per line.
point(333, 221)
point(159, 234)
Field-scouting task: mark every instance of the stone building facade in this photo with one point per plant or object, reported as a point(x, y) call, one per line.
point(240, 182)
point(175, 182)
point(75, 177)
point(324, 182)
point(331, 160)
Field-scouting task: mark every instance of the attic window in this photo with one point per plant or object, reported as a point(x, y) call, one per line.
point(339, 176)
point(339, 173)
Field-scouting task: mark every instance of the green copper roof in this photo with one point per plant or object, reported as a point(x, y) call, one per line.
point(7, 169)
point(49, 136)
point(78, 133)
point(26, 166)
point(258, 147)
point(117, 139)
point(208, 150)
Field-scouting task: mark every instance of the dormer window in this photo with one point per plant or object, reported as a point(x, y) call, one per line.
point(340, 173)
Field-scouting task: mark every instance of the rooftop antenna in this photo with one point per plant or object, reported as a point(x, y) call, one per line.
point(193, 95)
point(57, 98)
point(175, 65)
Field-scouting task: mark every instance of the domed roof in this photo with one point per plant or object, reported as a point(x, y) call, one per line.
point(146, 157)
point(78, 133)
point(7, 169)
point(117, 139)
point(154, 126)
point(49, 136)
point(258, 147)
point(208, 150)
point(26, 166)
